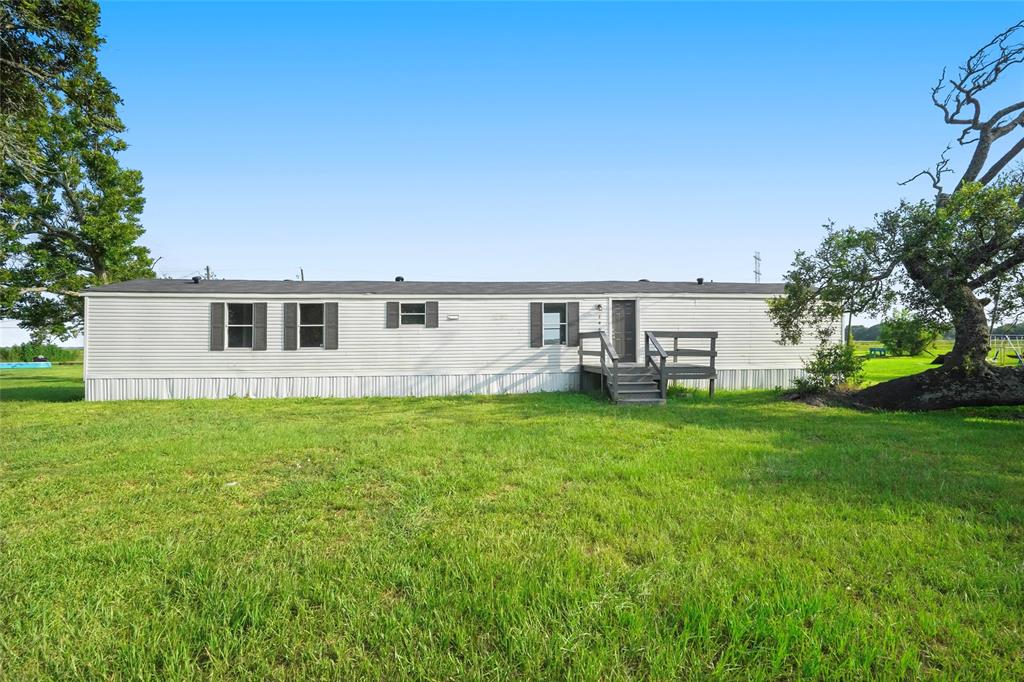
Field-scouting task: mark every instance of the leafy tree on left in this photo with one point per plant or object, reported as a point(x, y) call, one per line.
point(69, 213)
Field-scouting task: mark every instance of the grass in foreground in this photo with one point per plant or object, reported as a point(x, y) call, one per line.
point(529, 536)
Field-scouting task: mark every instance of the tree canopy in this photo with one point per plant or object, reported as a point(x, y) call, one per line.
point(951, 259)
point(69, 213)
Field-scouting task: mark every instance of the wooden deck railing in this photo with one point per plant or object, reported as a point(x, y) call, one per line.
point(652, 350)
point(690, 371)
point(606, 353)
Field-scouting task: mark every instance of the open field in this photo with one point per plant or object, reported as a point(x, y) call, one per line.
point(882, 369)
point(538, 536)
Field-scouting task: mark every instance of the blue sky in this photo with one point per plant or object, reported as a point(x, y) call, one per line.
point(525, 141)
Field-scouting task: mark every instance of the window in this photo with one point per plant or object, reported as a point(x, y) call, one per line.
point(414, 313)
point(554, 324)
point(239, 325)
point(311, 325)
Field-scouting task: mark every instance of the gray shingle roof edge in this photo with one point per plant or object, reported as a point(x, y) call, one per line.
point(390, 288)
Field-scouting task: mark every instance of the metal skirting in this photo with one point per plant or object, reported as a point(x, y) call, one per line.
point(328, 387)
point(743, 379)
point(388, 386)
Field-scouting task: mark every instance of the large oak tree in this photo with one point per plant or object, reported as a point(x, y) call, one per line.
point(949, 258)
point(69, 213)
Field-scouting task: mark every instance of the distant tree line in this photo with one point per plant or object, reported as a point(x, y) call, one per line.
point(27, 352)
point(860, 332)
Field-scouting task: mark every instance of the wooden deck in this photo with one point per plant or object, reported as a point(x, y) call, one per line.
point(645, 382)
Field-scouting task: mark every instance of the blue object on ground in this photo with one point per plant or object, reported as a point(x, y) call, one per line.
point(24, 365)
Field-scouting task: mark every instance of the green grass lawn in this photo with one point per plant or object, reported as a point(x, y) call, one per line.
point(537, 536)
point(878, 369)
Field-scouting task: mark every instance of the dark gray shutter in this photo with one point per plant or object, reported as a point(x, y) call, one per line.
point(572, 324)
point(331, 326)
point(216, 326)
point(536, 325)
point(291, 326)
point(432, 314)
point(259, 326)
point(392, 315)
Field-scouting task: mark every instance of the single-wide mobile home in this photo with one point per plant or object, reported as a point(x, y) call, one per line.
point(163, 338)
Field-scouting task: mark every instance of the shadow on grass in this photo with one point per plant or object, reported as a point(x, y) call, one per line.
point(966, 459)
point(751, 441)
point(41, 389)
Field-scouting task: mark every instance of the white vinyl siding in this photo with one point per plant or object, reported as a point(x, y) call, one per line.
point(746, 337)
point(169, 337)
point(481, 345)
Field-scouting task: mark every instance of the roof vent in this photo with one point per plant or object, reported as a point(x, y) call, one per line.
point(643, 280)
point(195, 279)
point(399, 279)
point(700, 280)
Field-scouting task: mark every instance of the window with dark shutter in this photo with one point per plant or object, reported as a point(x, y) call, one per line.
point(240, 327)
point(414, 314)
point(311, 325)
point(420, 314)
point(555, 324)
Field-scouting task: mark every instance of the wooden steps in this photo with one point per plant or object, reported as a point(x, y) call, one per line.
point(646, 383)
point(638, 386)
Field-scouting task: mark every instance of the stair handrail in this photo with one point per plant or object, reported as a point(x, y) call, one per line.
point(651, 340)
point(607, 352)
point(607, 347)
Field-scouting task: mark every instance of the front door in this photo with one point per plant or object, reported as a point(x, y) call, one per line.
point(624, 329)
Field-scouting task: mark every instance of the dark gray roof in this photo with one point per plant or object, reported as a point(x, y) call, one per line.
point(390, 288)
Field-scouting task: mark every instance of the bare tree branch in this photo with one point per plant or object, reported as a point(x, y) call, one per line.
point(936, 175)
point(1003, 161)
point(960, 100)
point(44, 290)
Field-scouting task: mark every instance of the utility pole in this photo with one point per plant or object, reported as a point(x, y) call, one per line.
point(302, 275)
point(209, 273)
point(757, 267)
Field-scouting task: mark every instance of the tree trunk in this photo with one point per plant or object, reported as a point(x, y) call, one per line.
point(971, 343)
point(971, 340)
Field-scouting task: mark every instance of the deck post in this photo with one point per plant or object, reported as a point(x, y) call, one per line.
point(615, 379)
point(675, 358)
point(663, 379)
point(711, 387)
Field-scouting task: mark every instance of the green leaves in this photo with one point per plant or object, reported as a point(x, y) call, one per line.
point(940, 263)
point(906, 333)
point(69, 213)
